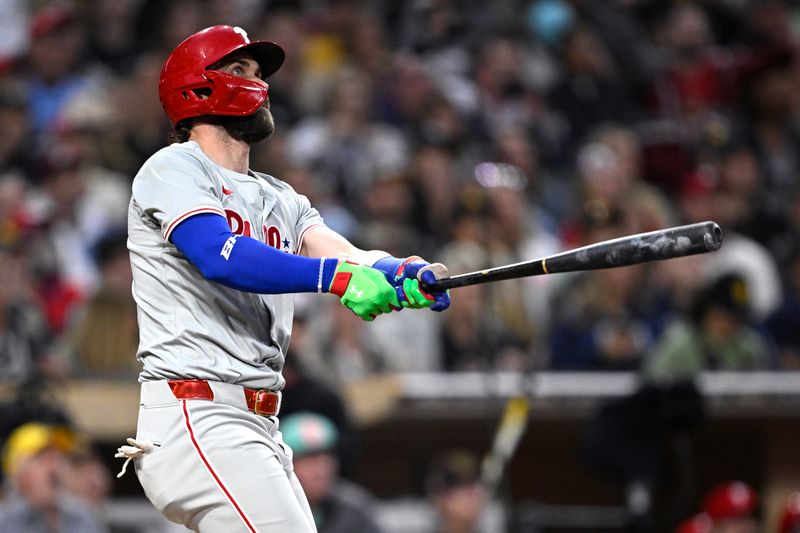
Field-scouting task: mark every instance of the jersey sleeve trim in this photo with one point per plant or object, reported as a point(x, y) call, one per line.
point(303, 235)
point(180, 218)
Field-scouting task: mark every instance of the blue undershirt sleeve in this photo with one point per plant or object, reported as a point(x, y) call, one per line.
point(245, 263)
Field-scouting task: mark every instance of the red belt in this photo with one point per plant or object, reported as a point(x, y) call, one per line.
point(262, 402)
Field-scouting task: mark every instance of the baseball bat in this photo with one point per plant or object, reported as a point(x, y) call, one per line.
point(510, 430)
point(656, 245)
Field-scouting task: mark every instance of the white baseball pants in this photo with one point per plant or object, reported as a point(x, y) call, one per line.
point(217, 467)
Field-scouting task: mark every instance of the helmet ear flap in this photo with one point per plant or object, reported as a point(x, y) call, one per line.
point(196, 96)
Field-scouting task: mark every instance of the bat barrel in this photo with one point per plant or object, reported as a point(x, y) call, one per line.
point(641, 248)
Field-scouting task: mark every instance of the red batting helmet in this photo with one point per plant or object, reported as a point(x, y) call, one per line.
point(790, 521)
point(188, 89)
point(699, 523)
point(729, 500)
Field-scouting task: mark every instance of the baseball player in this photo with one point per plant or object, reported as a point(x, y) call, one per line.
point(217, 251)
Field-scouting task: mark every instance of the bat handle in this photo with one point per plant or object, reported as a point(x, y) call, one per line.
point(439, 272)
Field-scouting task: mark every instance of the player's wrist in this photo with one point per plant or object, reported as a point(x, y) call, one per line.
point(341, 278)
point(368, 257)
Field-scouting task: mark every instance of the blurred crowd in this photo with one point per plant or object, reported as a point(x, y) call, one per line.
point(471, 133)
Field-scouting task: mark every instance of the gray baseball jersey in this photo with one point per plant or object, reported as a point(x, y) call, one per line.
point(191, 327)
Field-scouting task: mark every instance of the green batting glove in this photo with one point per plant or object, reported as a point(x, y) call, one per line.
point(415, 298)
point(363, 290)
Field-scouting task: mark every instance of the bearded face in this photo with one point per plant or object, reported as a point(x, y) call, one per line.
point(251, 129)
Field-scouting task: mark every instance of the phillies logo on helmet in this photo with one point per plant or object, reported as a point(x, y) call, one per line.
point(243, 33)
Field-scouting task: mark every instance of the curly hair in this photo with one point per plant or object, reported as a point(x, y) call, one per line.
point(182, 131)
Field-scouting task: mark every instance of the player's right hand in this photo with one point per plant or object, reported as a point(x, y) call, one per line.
point(402, 274)
point(364, 290)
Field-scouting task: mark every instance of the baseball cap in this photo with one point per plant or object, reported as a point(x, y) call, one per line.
point(729, 500)
point(306, 433)
point(729, 292)
point(31, 439)
point(51, 19)
point(451, 469)
point(699, 182)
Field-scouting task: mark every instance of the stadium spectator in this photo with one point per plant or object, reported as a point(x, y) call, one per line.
point(781, 323)
point(111, 35)
point(338, 506)
point(466, 344)
point(718, 334)
point(455, 491)
point(607, 320)
point(141, 128)
point(772, 135)
point(345, 146)
point(623, 116)
point(53, 66)
point(307, 390)
point(26, 342)
point(515, 231)
point(16, 159)
point(34, 458)
point(733, 507)
point(592, 91)
point(88, 479)
point(104, 335)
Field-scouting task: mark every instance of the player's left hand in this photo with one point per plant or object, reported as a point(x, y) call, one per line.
point(402, 274)
point(363, 290)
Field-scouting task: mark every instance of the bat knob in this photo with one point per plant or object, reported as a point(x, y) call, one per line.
point(439, 272)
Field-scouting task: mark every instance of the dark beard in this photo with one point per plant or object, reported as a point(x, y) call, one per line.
point(251, 129)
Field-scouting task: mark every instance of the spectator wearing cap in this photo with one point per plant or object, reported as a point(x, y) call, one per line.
point(718, 335)
point(457, 494)
point(33, 460)
point(731, 193)
point(733, 507)
point(338, 506)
